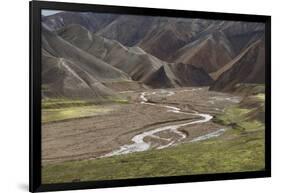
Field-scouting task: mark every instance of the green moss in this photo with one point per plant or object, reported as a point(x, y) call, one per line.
point(62, 109)
point(260, 96)
point(237, 118)
point(54, 103)
point(232, 115)
point(213, 156)
point(63, 102)
point(118, 100)
point(250, 89)
point(240, 148)
point(121, 101)
point(44, 87)
point(49, 115)
point(252, 125)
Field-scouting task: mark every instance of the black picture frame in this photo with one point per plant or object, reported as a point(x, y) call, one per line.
point(35, 184)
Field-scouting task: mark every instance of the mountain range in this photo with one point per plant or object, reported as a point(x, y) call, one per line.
point(90, 55)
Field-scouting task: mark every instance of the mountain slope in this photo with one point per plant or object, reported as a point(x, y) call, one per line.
point(249, 67)
point(163, 36)
point(89, 20)
point(210, 52)
point(62, 78)
point(161, 42)
point(63, 49)
point(159, 36)
point(68, 71)
point(243, 34)
point(179, 75)
point(128, 29)
point(114, 48)
point(226, 67)
point(132, 60)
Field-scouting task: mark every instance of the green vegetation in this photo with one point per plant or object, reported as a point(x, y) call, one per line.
point(44, 87)
point(61, 108)
point(58, 114)
point(244, 116)
point(232, 115)
point(260, 96)
point(225, 154)
point(237, 118)
point(119, 100)
point(52, 103)
point(249, 89)
point(63, 102)
point(238, 149)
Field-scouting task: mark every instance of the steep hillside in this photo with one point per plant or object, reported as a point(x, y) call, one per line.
point(156, 50)
point(62, 78)
point(63, 49)
point(128, 29)
point(210, 53)
point(163, 36)
point(215, 75)
point(132, 60)
point(179, 75)
point(159, 36)
point(249, 67)
point(243, 34)
point(89, 20)
point(170, 34)
point(68, 71)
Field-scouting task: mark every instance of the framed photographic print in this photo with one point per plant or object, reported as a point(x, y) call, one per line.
point(125, 96)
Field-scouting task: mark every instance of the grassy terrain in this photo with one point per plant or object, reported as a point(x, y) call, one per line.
point(245, 153)
point(249, 89)
point(240, 148)
point(62, 109)
point(55, 103)
point(260, 96)
point(236, 117)
point(63, 103)
point(119, 100)
point(58, 114)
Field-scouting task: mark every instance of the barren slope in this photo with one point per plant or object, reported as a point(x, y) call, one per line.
point(132, 60)
point(70, 72)
point(210, 52)
point(247, 68)
point(89, 20)
point(179, 75)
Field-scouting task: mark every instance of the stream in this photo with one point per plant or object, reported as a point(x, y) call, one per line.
point(139, 144)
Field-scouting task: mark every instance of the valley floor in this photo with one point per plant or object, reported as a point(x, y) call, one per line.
point(151, 133)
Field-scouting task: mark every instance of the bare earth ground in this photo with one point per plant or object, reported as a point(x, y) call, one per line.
point(100, 134)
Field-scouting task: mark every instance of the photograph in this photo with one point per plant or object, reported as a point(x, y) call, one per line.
point(127, 96)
